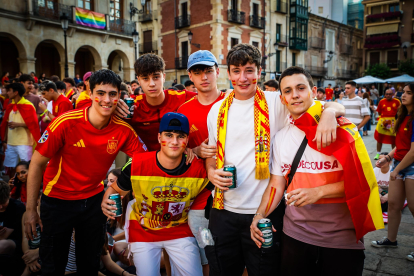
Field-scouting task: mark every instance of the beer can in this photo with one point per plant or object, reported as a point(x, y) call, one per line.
point(232, 169)
point(35, 243)
point(265, 225)
point(118, 204)
point(130, 103)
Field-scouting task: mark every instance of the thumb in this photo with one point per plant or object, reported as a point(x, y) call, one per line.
point(206, 141)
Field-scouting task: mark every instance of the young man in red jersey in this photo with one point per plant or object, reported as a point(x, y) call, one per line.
point(150, 107)
point(80, 147)
point(203, 71)
point(165, 187)
point(61, 104)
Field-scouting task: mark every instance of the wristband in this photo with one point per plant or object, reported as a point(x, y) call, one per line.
point(389, 157)
point(257, 214)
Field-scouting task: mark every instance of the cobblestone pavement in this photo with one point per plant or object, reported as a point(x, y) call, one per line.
point(389, 261)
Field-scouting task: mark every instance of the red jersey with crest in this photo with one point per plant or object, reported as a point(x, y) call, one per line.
point(146, 119)
point(388, 108)
point(61, 105)
point(81, 155)
point(197, 118)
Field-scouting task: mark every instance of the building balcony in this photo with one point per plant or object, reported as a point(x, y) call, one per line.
point(317, 43)
point(257, 21)
point(148, 47)
point(182, 21)
point(346, 49)
point(382, 41)
point(385, 16)
point(181, 63)
point(298, 11)
point(392, 64)
point(281, 6)
point(296, 43)
point(51, 10)
point(346, 74)
point(236, 16)
point(282, 40)
point(281, 67)
point(145, 17)
point(317, 71)
point(121, 26)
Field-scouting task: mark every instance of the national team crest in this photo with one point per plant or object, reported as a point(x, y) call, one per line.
point(44, 137)
point(56, 109)
point(112, 146)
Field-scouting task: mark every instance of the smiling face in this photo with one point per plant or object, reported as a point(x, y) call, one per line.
point(152, 85)
point(297, 95)
point(173, 144)
point(104, 99)
point(204, 80)
point(244, 80)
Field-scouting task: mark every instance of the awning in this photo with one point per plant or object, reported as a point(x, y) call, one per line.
point(383, 29)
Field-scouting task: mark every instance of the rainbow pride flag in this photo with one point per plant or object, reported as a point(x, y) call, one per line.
point(90, 19)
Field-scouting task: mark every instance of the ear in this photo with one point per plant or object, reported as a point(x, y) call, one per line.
point(314, 92)
point(159, 138)
point(190, 76)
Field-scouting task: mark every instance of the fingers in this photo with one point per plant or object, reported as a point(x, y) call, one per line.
point(256, 235)
point(34, 232)
point(273, 229)
point(318, 141)
point(28, 232)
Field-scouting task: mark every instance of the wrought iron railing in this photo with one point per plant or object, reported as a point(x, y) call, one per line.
point(145, 17)
point(182, 21)
point(257, 21)
point(181, 62)
point(282, 40)
point(121, 26)
point(51, 10)
point(346, 49)
point(317, 43)
point(148, 47)
point(236, 16)
point(316, 70)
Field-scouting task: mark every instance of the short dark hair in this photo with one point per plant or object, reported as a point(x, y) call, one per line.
point(35, 85)
point(136, 91)
point(148, 64)
point(123, 87)
point(104, 76)
point(134, 81)
point(173, 88)
point(54, 78)
point(296, 70)
point(17, 87)
point(179, 86)
point(4, 192)
point(51, 85)
point(60, 85)
point(244, 53)
point(117, 172)
point(188, 83)
point(320, 89)
point(200, 68)
point(80, 84)
point(352, 83)
point(272, 83)
point(25, 77)
point(70, 81)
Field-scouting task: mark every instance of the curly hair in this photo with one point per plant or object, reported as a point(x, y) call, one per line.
point(244, 53)
point(4, 192)
point(149, 64)
point(104, 76)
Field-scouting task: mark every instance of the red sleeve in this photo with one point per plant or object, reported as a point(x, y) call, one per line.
point(189, 95)
point(84, 103)
point(51, 142)
point(133, 144)
point(379, 109)
point(64, 107)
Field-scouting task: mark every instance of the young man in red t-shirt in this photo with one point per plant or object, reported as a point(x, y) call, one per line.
point(61, 104)
point(80, 147)
point(150, 107)
point(329, 93)
point(203, 71)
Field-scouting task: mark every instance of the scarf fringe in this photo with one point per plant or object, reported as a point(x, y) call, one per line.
point(262, 171)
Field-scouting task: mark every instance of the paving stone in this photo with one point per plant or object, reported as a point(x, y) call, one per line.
point(396, 266)
point(368, 273)
point(372, 261)
point(399, 252)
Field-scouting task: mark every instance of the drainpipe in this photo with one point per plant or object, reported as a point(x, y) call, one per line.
point(175, 39)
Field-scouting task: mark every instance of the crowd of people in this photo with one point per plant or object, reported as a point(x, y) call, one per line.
point(295, 148)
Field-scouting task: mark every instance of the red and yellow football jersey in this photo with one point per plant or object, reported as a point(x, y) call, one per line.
point(388, 108)
point(61, 105)
point(146, 119)
point(81, 155)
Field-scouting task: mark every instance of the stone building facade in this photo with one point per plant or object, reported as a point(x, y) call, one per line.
point(32, 39)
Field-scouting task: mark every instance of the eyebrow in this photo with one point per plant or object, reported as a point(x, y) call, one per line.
point(295, 86)
point(106, 92)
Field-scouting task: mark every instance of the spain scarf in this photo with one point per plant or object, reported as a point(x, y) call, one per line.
point(29, 116)
point(70, 94)
point(84, 100)
point(261, 134)
point(361, 189)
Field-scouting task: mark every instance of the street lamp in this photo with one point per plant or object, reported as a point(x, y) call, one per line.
point(65, 24)
point(190, 38)
point(133, 10)
point(135, 38)
point(330, 56)
point(405, 51)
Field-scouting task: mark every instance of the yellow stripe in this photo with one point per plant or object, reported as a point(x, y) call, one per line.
point(49, 186)
point(81, 141)
point(192, 99)
point(79, 144)
point(86, 115)
point(119, 122)
point(67, 118)
point(173, 92)
point(70, 113)
point(127, 163)
point(138, 98)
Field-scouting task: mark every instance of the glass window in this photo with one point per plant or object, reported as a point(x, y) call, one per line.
point(376, 10)
point(115, 10)
point(234, 41)
point(394, 7)
point(255, 44)
point(85, 4)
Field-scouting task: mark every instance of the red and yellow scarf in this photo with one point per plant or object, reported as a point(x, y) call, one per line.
point(361, 189)
point(261, 134)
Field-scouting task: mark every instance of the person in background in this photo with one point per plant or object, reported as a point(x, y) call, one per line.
point(401, 184)
point(189, 86)
point(392, 88)
point(374, 94)
point(42, 78)
point(36, 80)
point(399, 92)
point(54, 78)
point(134, 85)
point(355, 109)
point(336, 92)
point(81, 86)
point(11, 212)
point(27, 82)
point(328, 93)
point(387, 110)
point(174, 82)
point(138, 91)
point(61, 87)
point(360, 93)
point(320, 94)
point(35, 89)
point(382, 175)
point(370, 106)
point(340, 97)
point(77, 79)
point(271, 85)
point(180, 87)
point(364, 88)
point(18, 182)
point(84, 98)
point(70, 88)
point(5, 78)
point(60, 104)
point(113, 176)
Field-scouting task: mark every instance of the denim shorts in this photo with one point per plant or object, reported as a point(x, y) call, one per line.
point(408, 172)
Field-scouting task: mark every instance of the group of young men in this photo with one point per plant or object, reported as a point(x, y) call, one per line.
point(256, 131)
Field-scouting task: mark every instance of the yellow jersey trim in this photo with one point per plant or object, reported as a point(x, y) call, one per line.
point(74, 116)
point(120, 122)
point(49, 186)
point(69, 114)
point(173, 92)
